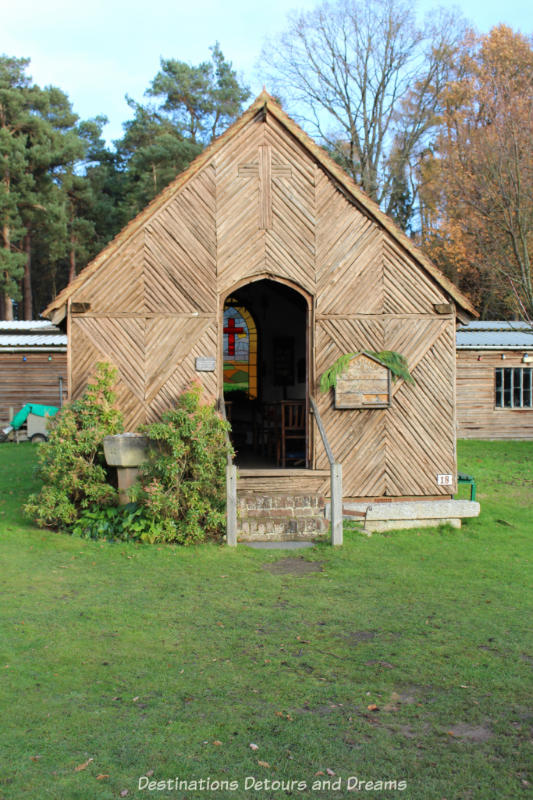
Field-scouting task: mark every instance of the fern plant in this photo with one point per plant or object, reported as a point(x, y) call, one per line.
point(389, 358)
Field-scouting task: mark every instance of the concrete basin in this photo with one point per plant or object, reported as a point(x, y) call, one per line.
point(125, 449)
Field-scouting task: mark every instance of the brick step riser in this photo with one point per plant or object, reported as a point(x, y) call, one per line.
point(279, 517)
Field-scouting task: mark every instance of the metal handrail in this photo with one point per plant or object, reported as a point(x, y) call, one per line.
point(322, 430)
point(335, 479)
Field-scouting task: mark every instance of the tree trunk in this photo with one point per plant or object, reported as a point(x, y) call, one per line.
point(72, 238)
point(72, 269)
point(8, 305)
point(8, 308)
point(28, 294)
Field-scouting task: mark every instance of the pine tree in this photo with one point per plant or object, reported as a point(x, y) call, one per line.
point(189, 106)
point(15, 121)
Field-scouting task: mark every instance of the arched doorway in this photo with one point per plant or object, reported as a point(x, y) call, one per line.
point(265, 352)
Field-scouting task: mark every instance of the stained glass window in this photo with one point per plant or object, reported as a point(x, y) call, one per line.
point(240, 350)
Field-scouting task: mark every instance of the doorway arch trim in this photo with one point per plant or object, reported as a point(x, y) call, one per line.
point(266, 276)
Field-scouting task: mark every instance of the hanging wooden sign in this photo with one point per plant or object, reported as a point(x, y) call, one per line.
point(365, 383)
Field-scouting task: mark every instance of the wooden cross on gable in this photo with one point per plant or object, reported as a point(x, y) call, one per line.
point(266, 171)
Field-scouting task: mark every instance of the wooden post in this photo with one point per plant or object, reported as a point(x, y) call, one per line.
point(231, 505)
point(336, 504)
point(335, 481)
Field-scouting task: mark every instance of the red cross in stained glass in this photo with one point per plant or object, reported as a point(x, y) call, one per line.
point(231, 330)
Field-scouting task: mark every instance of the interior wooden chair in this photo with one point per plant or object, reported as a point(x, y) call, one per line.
point(291, 443)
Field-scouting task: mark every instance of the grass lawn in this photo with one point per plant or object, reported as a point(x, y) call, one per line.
point(407, 657)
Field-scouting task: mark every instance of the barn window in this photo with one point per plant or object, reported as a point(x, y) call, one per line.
point(514, 387)
point(240, 350)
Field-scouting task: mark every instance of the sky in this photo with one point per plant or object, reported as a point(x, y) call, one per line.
point(102, 50)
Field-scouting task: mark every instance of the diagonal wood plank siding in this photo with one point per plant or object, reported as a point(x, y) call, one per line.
point(180, 251)
point(154, 308)
point(240, 240)
point(121, 342)
point(263, 205)
point(84, 357)
point(349, 266)
point(406, 288)
point(290, 243)
point(421, 426)
point(400, 450)
point(205, 341)
point(121, 288)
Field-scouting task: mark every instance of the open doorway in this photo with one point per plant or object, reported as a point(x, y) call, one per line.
point(265, 344)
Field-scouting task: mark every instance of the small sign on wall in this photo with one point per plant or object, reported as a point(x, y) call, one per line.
point(365, 383)
point(206, 364)
point(444, 480)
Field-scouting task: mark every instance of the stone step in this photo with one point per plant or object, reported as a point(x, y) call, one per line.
point(397, 515)
point(418, 514)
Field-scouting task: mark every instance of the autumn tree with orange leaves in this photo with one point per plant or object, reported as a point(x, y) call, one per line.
point(477, 195)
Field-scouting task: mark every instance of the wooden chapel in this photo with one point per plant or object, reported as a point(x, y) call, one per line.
point(253, 272)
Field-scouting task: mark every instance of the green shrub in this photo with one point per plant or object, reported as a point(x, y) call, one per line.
point(71, 463)
point(182, 486)
point(125, 523)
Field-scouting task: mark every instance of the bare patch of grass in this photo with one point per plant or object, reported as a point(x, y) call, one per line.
point(293, 566)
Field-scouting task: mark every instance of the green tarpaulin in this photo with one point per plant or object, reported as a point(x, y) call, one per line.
point(32, 408)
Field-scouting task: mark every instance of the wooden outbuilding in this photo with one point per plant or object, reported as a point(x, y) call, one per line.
point(33, 366)
point(253, 272)
point(495, 380)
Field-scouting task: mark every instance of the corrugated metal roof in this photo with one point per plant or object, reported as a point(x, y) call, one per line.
point(27, 326)
point(495, 335)
point(59, 340)
point(32, 334)
point(497, 325)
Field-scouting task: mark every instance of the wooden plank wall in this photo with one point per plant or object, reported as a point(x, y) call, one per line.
point(153, 308)
point(35, 380)
point(262, 207)
point(477, 416)
point(287, 248)
point(400, 450)
point(370, 296)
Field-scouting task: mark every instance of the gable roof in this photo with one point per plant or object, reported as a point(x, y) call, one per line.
point(264, 102)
